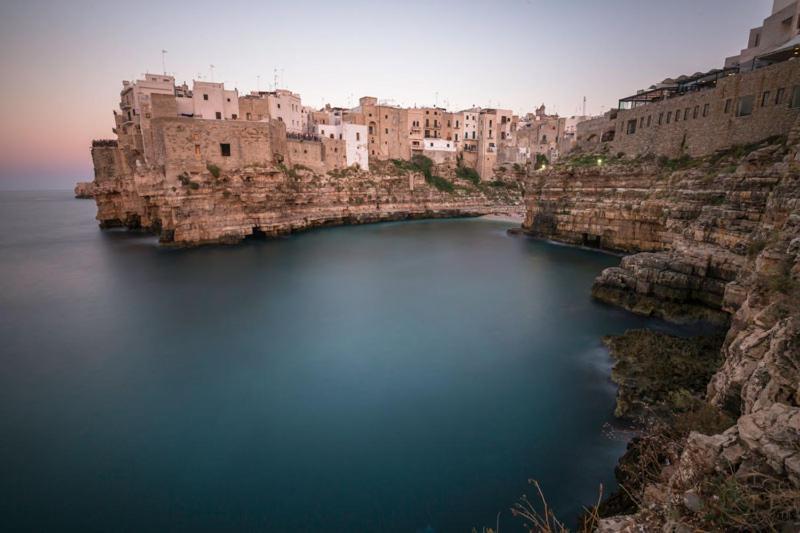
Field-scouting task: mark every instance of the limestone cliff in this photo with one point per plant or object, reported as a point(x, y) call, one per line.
point(716, 239)
point(219, 206)
point(84, 190)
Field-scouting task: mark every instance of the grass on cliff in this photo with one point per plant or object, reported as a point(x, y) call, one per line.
point(468, 174)
point(424, 165)
point(214, 169)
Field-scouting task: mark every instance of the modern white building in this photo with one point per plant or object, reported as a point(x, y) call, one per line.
point(355, 138)
point(286, 106)
point(439, 145)
point(778, 35)
point(212, 101)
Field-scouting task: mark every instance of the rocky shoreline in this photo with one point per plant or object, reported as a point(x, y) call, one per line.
point(715, 239)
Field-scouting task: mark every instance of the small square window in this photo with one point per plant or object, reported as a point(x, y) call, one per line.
point(225, 149)
point(205, 97)
point(795, 101)
point(779, 96)
point(218, 115)
point(744, 106)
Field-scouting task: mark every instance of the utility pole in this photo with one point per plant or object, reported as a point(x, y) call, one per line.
point(164, 61)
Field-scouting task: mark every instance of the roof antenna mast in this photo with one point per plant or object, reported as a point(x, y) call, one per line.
point(164, 61)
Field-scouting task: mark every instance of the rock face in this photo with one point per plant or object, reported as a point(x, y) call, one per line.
point(716, 239)
point(227, 206)
point(84, 190)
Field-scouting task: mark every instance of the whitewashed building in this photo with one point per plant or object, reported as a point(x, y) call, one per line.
point(355, 138)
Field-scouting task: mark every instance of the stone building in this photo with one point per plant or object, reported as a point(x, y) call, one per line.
point(386, 128)
point(355, 139)
point(737, 109)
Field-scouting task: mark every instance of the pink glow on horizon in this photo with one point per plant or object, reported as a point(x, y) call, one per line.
point(63, 62)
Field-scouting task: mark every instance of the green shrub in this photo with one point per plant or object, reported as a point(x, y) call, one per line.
point(541, 160)
point(194, 185)
point(440, 183)
point(214, 169)
point(469, 174)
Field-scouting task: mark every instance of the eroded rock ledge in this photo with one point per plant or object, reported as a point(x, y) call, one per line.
point(716, 239)
point(225, 207)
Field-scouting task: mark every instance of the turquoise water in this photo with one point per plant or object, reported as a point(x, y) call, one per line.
point(394, 377)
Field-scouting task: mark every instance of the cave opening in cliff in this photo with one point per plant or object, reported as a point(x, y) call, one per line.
point(592, 241)
point(257, 234)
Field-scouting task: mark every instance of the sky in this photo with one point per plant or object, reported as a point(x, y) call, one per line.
point(63, 61)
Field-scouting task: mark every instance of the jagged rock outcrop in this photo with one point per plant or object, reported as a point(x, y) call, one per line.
point(225, 207)
point(716, 239)
point(84, 190)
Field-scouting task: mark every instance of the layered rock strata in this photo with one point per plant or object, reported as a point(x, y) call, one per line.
point(227, 206)
point(714, 239)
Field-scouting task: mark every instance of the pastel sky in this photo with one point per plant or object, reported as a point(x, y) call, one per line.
point(62, 61)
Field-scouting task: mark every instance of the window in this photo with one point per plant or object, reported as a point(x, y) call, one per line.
point(669, 116)
point(279, 106)
point(197, 151)
point(490, 123)
point(765, 99)
point(705, 110)
point(660, 118)
point(686, 114)
point(696, 112)
point(795, 97)
point(631, 127)
point(340, 136)
point(386, 131)
point(779, 96)
point(744, 106)
point(677, 115)
point(229, 99)
point(218, 115)
point(205, 97)
point(641, 123)
point(757, 40)
point(358, 136)
point(456, 137)
point(649, 119)
point(225, 149)
point(234, 116)
point(331, 135)
point(727, 106)
point(249, 116)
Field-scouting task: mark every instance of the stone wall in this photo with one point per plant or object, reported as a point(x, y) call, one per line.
point(706, 120)
point(187, 145)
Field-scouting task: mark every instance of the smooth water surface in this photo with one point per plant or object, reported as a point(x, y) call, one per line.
point(393, 377)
